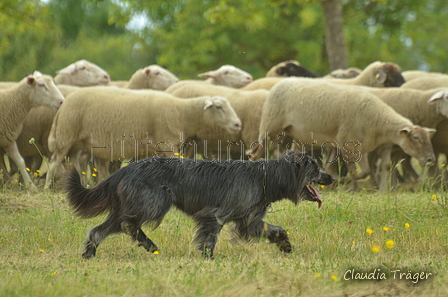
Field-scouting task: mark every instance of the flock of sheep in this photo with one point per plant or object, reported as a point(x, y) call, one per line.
point(351, 120)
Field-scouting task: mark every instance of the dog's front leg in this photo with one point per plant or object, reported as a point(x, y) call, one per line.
point(277, 235)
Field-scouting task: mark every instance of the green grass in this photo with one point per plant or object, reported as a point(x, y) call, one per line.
point(41, 244)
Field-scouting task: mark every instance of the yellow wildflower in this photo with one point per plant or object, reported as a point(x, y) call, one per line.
point(42, 251)
point(334, 277)
point(386, 229)
point(93, 174)
point(390, 244)
point(83, 173)
point(322, 186)
point(376, 248)
point(316, 275)
point(369, 231)
point(94, 169)
point(27, 169)
point(433, 197)
point(156, 252)
point(407, 225)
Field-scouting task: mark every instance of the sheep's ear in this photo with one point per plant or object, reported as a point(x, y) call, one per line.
point(436, 96)
point(147, 71)
point(80, 65)
point(68, 70)
point(430, 130)
point(281, 70)
point(37, 73)
point(206, 74)
point(381, 76)
point(208, 103)
point(405, 130)
point(30, 80)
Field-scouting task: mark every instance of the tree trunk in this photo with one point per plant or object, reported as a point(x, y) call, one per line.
point(334, 34)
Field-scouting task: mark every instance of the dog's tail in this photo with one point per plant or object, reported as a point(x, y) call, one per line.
point(88, 203)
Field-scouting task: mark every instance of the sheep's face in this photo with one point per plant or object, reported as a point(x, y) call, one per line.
point(83, 73)
point(219, 112)
point(388, 75)
point(440, 98)
point(229, 76)
point(43, 91)
point(158, 78)
point(416, 142)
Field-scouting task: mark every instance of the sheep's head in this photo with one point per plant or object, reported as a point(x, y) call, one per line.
point(440, 98)
point(277, 70)
point(219, 112)
point(157, 78)
point(43, 91)
point(386, 74)
point(228, 75)
point(416, 142)
point(83, 73)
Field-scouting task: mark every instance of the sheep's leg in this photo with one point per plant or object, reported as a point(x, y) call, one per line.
point(55, 164)
point(385, 169)
point(351, 167)
point(13, 153)
point(103, 171)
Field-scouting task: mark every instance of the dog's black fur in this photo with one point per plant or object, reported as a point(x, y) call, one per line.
point(212, 193)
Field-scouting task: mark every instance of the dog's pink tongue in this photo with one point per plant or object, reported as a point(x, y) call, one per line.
point(317, 194)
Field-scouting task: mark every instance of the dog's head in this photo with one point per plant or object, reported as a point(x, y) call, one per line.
point(308, 172)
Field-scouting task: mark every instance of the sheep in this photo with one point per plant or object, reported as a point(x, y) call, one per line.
point(7, 84)
point(227, 75)
point(82, 73)
point(415, 74)
point(427, 83)
point(247, 104)
point(413, 104)
point(287, 69)
point(274, 69)
point(319, 113)
point(16, 102)
point(101, 119)
point(377, 74)
point(344, 73)
point(37, 125)
point(151, 77)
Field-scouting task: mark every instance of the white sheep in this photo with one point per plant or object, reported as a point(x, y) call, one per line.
point(317, 113)
point(82, 73)
point(247, 104)
point(37, 125)
point(151, 77)
point(377, 74)
point(16, 102)
point(413, 104)
point(415, 74)
point(114, 124)
point(427, 83)
point(344, 73)
point(226, 75)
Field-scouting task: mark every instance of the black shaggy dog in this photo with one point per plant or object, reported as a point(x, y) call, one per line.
point(212, 193)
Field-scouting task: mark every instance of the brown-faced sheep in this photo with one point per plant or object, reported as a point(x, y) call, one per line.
point(114, 124)
point(274, 71)
point(82, 73)
point(318, 113)
point(16, 102)
point(377, 74)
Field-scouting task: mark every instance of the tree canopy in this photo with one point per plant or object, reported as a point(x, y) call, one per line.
point(193, 36)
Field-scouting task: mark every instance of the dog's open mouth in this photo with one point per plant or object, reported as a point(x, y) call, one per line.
point(315, 194)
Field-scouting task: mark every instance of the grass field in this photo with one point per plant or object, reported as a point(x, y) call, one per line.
point(351, 235)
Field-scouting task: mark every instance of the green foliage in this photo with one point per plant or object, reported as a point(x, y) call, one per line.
point(192, 36)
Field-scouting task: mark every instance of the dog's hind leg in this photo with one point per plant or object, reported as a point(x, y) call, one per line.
point(98, 234)
point(137, 234)
point(207, 235)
